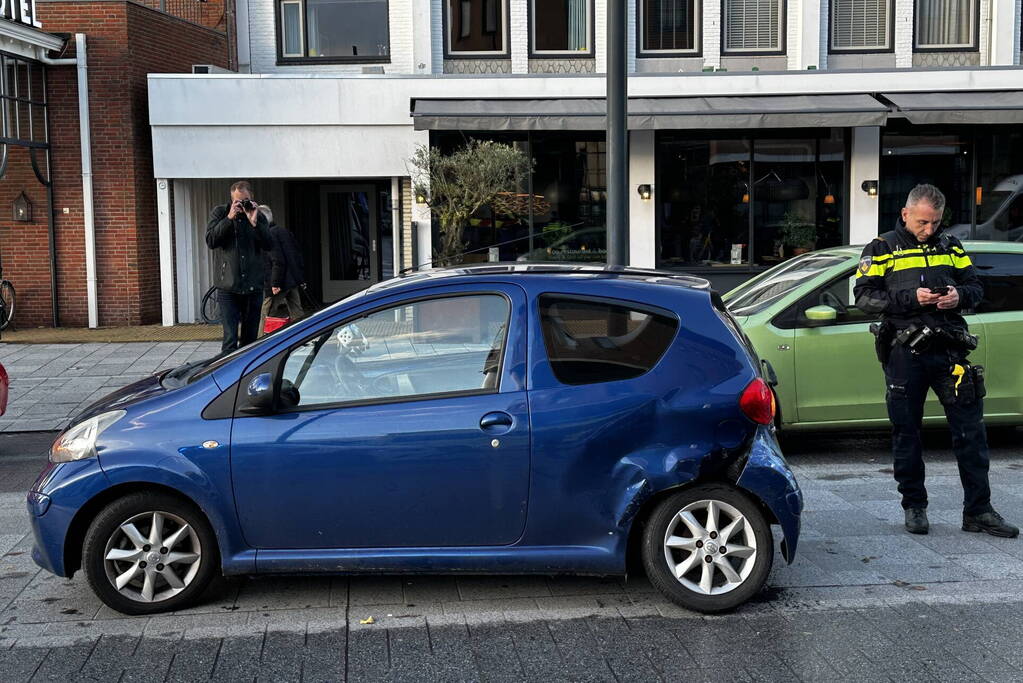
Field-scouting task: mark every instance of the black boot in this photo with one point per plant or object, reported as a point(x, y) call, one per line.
point(990, 523)
point(916, 521)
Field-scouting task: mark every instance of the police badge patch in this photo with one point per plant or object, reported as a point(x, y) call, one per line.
point(865, 264)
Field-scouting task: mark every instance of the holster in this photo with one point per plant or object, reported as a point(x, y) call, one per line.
point(962, 389)
point(884, 334)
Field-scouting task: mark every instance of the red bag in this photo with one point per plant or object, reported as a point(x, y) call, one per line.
point(272, 324)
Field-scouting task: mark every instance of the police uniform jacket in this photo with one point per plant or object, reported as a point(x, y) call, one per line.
point(895, 264)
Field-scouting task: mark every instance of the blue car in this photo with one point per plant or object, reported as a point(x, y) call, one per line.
point(503, 419)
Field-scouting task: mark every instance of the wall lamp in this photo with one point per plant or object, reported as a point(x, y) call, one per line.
point(420, 198)
point(22, 208)
point(870, 187)
point(645, 191)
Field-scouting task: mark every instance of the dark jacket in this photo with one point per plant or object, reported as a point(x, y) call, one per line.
point(283, 264)
point(895, 264)
point(237, 251)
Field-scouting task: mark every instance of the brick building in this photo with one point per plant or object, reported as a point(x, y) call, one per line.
point(124, 41)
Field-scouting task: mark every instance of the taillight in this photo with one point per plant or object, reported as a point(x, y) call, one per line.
point(757, 402)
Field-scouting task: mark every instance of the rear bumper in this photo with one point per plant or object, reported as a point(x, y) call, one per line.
point(768, 477)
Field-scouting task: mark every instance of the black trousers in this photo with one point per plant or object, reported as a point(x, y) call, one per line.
point(908, 377)
point(239, 311)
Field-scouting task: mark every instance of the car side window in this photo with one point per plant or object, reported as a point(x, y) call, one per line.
point(590, 341)
point(1002, 278)
point(837, 294)
point(431, 347)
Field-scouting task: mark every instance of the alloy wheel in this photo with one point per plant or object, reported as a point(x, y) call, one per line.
point(152, 556)
point(710, 547)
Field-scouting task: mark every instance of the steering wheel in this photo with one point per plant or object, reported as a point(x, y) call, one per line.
point(351, 344)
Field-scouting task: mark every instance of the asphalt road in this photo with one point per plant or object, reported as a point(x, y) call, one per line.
point(864, 601)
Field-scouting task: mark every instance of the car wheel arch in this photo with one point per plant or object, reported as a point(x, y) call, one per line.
point(647, 508)
point(83, 518)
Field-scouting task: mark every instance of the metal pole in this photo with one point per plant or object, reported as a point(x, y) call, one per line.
point(617, 136)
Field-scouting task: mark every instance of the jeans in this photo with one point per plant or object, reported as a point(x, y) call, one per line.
point(908, 377)
point(238, 310)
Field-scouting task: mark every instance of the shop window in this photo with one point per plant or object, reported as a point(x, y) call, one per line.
point(943, 160)
point(754, 26)
point(737, 202)
point(476, 27)
point(999, 187)
point(331, 31)
point(561, 27)
point(591, 341)
point(861, 25)
point(559, 211)
point(946, 24)
point(669, 27)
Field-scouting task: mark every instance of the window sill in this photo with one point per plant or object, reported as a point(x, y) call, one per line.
point(305, 61)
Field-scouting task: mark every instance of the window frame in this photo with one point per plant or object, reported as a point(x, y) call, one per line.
point(697, 51)
point(446, 25)
point(281, 359)
point(591, 36)
point(974, 47)
point(783, 11)
point(283, 60)
point(832, 50)
point(638, 306)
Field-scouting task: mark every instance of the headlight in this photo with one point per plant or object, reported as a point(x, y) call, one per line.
point(79, 442)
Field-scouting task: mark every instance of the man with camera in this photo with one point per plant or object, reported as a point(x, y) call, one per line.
point(238, 234)
point(920, 279)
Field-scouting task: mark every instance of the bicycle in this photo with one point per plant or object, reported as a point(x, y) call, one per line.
point(6, 302)
point(211, 307)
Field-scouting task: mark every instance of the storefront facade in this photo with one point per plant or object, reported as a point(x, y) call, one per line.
point(749, 142)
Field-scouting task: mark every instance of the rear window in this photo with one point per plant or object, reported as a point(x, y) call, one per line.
point(590, 341)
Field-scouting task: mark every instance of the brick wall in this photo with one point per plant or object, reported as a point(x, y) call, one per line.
point(125, 41)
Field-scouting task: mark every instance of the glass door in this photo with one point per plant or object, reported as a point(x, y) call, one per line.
point(349, 236)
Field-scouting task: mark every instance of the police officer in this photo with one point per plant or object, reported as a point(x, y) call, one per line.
point(920, 279)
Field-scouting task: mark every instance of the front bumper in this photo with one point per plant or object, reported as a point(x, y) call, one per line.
point(58, 495)
point(768, 477)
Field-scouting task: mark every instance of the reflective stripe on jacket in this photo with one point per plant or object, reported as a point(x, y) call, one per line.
point(895, 264)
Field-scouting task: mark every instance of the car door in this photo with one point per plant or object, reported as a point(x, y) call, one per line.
point(838, 376)
point(411, 429)
point(1001, 314)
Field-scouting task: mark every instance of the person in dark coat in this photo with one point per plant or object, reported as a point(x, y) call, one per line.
point(284, 273)
point(238, 234)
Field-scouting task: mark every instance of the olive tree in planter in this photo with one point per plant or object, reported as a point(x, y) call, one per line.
point(797, 232)
point(459, 184)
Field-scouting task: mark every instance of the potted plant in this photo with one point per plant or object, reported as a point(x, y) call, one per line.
point(797, 232)
point(457, 185)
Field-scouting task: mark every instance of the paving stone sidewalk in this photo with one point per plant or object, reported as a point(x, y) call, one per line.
point(864, 601)
point(51, 382)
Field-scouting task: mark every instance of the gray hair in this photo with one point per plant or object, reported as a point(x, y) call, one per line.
point(928, 194)
point(265, 210)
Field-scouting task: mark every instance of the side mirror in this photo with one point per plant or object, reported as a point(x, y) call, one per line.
point(819, 316)
point(259, 395)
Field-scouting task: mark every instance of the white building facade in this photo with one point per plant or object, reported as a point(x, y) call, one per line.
point(758, 129)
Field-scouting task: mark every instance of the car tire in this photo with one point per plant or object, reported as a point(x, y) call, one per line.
point(136, 570)
point(680, 537)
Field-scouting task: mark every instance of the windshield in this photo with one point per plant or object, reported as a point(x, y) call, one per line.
point(761, 293)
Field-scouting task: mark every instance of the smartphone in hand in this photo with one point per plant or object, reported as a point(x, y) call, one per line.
point(940, 290)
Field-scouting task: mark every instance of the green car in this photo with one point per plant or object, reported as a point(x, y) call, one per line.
point(801, 317)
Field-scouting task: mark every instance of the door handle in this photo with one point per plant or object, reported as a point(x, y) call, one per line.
point(492, 420)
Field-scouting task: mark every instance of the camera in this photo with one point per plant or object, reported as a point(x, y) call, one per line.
point(248, 204)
